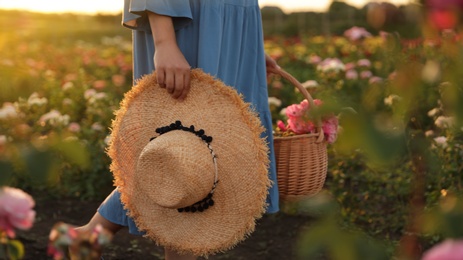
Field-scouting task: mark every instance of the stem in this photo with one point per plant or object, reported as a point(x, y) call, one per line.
point(3, 245)
point(409, 247)
point(4, 251)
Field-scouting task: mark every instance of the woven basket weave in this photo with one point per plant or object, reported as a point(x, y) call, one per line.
point(301, 160)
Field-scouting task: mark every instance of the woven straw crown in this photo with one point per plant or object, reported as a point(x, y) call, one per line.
point(180, 184)
point(176, 169)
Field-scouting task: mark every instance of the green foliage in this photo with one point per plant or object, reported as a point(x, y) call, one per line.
point(339, 244)
point(342, 16)
point(61, 87)
point(11, 249)
point(445, 218)
point(400, 147)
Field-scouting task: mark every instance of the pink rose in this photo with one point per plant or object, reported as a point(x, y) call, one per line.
point(305, 105)
point(15, 210)
point(294, 111)
point(366, 74)
point(375, 80)
point(89, 93)
point(314, 59)
point(352, 74)
point(364, 63)
point(356, 33)
point(281, 126)
point(299, 126)
point(317, 102)
point(99, 84)
point(118, 80)
point(330, 128)
point(74, 127)
point(448, 250)
point(349, 66)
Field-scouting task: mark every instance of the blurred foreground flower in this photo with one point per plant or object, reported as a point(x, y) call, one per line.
point(443, 14)
point(15, 210)
point(15, 213)
point(448, 250)
point(64, 239)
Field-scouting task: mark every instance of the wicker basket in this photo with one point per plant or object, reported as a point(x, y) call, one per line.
point(301, 160)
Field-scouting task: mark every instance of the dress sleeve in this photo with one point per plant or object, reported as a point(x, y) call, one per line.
point(135, 12)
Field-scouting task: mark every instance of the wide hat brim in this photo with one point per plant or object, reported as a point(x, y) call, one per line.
point(242, 163)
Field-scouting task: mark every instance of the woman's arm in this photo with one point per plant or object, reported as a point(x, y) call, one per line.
point(270, 63)
point(172, 69)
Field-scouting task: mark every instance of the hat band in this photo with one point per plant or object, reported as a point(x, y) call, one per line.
point(207, 202)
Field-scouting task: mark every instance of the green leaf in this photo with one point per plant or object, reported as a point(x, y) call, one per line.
point(15, 249)
point(38, 163)
point(363, 131)
point(314, 241)
point(6, 170)
point(73, 152)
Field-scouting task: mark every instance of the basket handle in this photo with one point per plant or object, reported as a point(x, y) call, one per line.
point(305, 93)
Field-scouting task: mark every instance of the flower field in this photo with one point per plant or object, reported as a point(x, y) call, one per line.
point(394, 182)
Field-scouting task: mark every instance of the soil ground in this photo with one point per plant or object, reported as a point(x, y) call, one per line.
point(276, 235)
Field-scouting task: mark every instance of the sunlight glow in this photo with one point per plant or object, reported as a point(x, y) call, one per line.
point(60, 6)
point(320, 5)
point(115, 6)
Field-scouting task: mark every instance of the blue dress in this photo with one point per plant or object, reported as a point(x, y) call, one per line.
point(222, 37)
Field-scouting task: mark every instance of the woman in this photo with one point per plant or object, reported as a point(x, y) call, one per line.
point(223, 38)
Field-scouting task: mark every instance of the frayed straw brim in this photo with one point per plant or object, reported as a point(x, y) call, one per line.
point(242, 163)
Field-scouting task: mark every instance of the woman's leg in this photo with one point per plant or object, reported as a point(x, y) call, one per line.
point(98, 219)
point(113, 202)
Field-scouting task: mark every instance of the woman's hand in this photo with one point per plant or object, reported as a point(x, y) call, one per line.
point(270, 63)
point(172, 69)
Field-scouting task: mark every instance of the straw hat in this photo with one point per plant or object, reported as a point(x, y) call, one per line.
point(192, 174)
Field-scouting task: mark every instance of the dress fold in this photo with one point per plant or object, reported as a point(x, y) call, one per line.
point(135, 12)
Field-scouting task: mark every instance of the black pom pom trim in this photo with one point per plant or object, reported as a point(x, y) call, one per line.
point(207, 202)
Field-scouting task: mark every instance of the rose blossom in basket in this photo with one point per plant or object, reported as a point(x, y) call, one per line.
point(299, 123)
point(15, 210)
point(281, 126)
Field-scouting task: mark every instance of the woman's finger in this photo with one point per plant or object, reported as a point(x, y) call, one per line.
point(186, 85)
point(170, 81)
point(178, 90)
point(160, 75)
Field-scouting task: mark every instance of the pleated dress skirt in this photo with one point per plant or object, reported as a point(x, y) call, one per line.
point(222, 37)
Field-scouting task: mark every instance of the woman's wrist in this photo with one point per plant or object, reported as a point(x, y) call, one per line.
point(162, 28)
